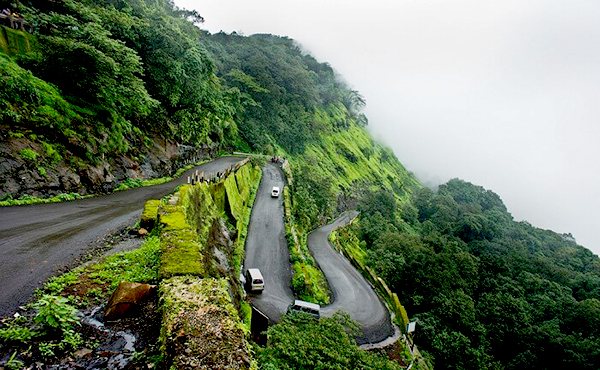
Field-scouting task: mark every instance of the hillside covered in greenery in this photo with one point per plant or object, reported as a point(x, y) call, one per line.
point(487, 292)
point(110, 88)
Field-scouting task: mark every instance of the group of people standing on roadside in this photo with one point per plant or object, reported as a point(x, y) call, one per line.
point(13, 20)
point(277, 159)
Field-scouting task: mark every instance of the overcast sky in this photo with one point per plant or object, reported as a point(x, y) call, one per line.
point(505, 94)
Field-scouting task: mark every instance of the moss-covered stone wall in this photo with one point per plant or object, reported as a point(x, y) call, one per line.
point(186, 220)
point(200, 293)
point(201, 328)
point(13, 42)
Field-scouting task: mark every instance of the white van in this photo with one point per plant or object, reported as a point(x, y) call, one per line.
point(275, 192)
point(306, 307)
point(254, 281)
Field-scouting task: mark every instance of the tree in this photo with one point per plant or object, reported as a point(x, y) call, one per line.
point(301, 342)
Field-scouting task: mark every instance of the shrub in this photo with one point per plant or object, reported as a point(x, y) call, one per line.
point(300, 342)
point(16, 333)
point(42, 171)
point(29, 154)
point(51, 153)
point(55, 313)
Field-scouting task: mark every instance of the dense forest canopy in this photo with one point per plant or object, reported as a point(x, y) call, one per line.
point(486, 291)
point(114, 72)
point(106, 76)
point(281, 88)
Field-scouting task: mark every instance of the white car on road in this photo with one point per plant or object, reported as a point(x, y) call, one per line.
point(255, 283)
point(275, 192)
point(305, 307)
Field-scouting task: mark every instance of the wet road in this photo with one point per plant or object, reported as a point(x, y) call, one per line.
point(37, 241)
point(266, 249)
point(350, 290)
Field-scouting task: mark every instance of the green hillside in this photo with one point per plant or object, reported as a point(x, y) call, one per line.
point(487, 292)
point(105, 87)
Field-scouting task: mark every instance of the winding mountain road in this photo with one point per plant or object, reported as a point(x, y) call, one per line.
point(37, 241)
point(266, 249)
point(350, 290)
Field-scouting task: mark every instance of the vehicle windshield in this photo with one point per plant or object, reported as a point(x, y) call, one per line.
point(257, 281)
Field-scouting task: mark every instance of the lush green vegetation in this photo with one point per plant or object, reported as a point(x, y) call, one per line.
point(295, 107)
point(104, 77)
point(301, 342)
point(487, 292)
point(139, 266)
point(14, 42)
point(287, 98)
point(28, 199)
point(50, 327)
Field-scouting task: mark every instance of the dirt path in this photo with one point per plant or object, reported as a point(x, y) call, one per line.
point(39, 240)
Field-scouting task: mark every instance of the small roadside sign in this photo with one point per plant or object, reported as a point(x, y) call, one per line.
point(411, 326)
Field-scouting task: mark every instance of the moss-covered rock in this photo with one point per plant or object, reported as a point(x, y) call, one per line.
point(181, 253)
point(150, 214)
point(234, 198)
point(14, 42)
point(181, 249)
point(187, 218)
point(201, 328)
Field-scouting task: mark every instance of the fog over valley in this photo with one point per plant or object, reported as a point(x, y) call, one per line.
point(502, 94)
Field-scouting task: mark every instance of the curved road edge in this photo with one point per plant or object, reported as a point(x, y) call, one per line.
point(267, 250)
point(351, 292)
point(37, 241)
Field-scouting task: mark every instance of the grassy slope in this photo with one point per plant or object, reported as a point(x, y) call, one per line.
point(349, 161)
point(370, 162)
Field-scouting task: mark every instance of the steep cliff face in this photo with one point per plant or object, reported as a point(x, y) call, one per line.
point(33, 167)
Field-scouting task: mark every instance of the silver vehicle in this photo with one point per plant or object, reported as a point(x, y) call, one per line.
point(306, 307)
point(275, 192)
point(254, 281)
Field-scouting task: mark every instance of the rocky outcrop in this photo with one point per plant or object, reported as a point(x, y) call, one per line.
point(126, 298)
point(27, 167)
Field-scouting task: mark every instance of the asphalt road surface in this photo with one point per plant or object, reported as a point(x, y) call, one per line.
point(350, 291)
point(266, 247)
point(37, 241)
